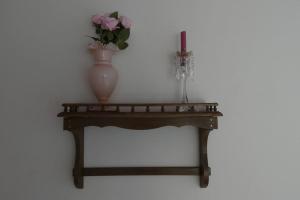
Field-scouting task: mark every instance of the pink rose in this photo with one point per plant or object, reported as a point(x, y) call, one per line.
point(126, 22)
point(97, 19)
point(109, 23)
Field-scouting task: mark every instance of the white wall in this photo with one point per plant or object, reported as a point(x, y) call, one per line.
point(247, 59)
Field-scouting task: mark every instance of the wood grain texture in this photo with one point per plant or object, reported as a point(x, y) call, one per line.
point(129, 171)
point(203, 161)
point(203, 116)
point(79, 157)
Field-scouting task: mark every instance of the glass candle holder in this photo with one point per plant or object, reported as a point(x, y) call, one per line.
point(184, 66)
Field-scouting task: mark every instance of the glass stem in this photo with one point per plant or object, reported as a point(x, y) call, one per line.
point(184, 91)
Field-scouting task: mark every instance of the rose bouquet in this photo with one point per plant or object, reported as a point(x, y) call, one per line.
point(110, 28)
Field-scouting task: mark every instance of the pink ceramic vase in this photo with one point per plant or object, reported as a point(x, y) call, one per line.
point(102, 76)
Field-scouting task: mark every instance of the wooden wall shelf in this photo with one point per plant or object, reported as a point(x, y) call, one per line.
point(204, 116)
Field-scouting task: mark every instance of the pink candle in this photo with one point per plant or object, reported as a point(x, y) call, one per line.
point(183, 41)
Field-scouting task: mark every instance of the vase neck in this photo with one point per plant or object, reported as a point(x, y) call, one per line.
point(103, 56)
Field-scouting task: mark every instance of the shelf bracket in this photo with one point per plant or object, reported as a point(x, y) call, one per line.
point(79, 157)
point(203, 161)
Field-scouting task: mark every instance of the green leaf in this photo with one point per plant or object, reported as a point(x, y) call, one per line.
point(94, 38)
point(99, 30)
point(110, 36)
point(107, 36)
point(122, 45)
point(116, 32)
point(115, 40)
point(114, 15)
point(104, 39)
point(104, 34)
point(124, 35)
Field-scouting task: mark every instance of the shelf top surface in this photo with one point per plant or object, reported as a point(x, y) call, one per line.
point(139, 104)
point(140, 110)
